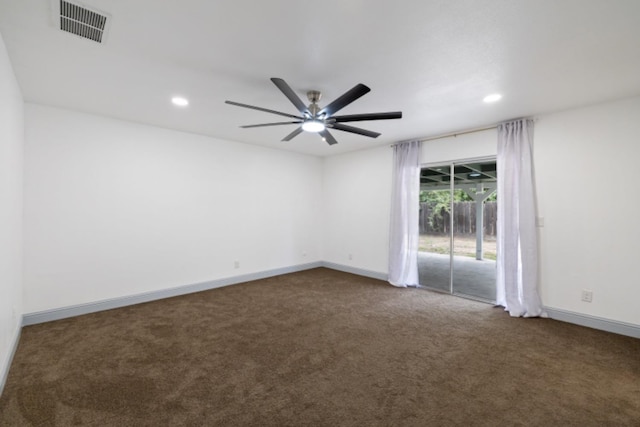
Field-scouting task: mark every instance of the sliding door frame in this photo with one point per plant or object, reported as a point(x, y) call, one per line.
point(451, 164)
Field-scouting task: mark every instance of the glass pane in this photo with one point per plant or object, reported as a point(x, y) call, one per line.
point(434, 260)
point(474, 230)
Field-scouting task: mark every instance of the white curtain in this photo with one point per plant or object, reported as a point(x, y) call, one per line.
point(517, 263)
point(405, 208)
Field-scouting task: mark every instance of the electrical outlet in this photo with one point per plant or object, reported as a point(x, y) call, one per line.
point(304, 254)
point(350, 257)
point(236, 264)
point(539, 221)
point(587, 295)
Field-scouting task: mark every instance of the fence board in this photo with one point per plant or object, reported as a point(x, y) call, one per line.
point(464, 219)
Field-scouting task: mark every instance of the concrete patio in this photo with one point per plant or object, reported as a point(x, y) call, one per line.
point(471, 278)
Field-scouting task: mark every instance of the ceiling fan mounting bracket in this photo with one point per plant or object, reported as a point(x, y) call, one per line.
point(314, 96)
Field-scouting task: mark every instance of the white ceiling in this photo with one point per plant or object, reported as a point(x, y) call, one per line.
point(434, 60)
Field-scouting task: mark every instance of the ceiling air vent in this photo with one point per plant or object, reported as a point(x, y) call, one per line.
point(82, 21)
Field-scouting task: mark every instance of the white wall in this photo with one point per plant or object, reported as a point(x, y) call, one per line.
point(11, 162)
point(462, 147)
point(357, 190)
point(587, 175)
point(114, 208)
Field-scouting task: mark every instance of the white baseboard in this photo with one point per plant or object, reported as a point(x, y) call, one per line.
point(77, 310)
point(594, 322)
point(4, 368)
point(355, 270)
point(80, 309)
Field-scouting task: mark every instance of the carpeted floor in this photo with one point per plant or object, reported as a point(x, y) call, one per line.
point(319, 348)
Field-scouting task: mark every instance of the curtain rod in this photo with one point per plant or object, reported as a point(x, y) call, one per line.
point(448, 135)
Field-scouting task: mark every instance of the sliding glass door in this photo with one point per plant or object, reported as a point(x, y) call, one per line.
point(458, 229)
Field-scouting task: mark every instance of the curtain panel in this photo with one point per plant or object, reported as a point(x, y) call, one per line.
point(517, 261)
point(405, 208)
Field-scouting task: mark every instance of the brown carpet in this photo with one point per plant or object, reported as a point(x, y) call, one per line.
point(319, 348)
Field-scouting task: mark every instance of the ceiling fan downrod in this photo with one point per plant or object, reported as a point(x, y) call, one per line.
point(314, 96)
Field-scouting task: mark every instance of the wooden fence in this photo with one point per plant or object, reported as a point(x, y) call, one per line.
point(464, 219)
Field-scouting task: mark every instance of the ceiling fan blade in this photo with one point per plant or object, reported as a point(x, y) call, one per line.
point(352, 129)
point(345, 99)
point(370, 116)
point(289, 93)
point(263, 109)
point(270, 124)
point(293, 134)
point(328, 137)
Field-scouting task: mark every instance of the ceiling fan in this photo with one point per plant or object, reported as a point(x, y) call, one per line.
point(320, 120)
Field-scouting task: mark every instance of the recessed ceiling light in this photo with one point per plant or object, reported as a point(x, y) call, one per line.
point(492, 98)
point(180, 101)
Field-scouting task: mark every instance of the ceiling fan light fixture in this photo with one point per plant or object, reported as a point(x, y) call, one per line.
point(492, 98)
point(313, 126)
point(179, 101)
